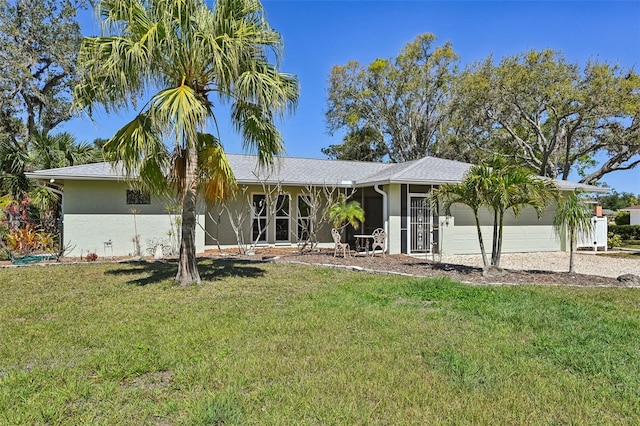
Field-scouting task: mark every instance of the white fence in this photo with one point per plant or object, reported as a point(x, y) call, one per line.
point(597, 238)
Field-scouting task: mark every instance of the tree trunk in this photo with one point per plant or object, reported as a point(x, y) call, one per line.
point(571, 247)
point(187, 262)
point(499, 245)
point(485, 262)
point(494, 245)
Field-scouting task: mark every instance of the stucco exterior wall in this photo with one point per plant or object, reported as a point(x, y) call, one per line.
point(634, 217)
point(522, 234)
point(96, 212)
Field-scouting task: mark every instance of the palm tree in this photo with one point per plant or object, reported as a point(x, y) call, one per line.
point(344, 212)
point(572, 216)
point(192, 55)
point(513, 188)
point(48, 151)
point(499, 187)
point(468, 192)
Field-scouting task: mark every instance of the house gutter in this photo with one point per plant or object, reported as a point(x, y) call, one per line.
point(384, 213)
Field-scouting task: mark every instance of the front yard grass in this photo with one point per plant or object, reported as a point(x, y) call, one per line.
point(289, 344)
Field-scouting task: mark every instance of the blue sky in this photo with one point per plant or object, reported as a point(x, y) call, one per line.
point(320, 34)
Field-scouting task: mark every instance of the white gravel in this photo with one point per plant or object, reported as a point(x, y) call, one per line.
point(585, 263)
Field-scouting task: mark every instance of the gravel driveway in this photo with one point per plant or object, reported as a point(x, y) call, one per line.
point(587, 263)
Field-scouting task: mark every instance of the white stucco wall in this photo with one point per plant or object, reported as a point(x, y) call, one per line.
point(521, 234)
point(96, 212)
point(634, 217)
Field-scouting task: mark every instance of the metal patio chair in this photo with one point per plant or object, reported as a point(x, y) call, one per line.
point(340, 246)
point(379, 237)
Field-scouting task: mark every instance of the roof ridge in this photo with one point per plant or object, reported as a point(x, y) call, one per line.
point(315, 159)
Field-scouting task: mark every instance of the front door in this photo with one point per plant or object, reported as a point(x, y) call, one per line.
point(419, 225)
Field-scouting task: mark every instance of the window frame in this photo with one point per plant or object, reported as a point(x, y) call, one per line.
point(281, 215)
point(306, 199)
point(257, 217)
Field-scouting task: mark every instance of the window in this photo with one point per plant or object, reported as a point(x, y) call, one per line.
point(282, 218)
point(304, 220)
point(135, 196)
point(259, 222)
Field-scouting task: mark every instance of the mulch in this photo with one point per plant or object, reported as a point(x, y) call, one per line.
point(412, 266)
point(405, 265)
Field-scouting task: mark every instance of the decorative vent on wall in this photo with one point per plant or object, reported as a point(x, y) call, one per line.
point(135, 196)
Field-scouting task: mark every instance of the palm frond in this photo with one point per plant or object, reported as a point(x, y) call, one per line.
point(258, 131)
point(214, 171)
point(138, 149)
point(181, 108)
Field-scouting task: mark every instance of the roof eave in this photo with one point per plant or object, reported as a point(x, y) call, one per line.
point(73, 177)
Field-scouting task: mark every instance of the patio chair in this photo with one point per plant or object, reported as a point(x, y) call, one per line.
point(379, 237)
point(340, 246)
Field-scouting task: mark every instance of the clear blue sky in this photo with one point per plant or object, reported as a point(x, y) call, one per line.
point(320, 34)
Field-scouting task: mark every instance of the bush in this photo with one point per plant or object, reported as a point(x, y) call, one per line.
point(626, 232)
point(29, 239)
point(613, 240)
point(623, 218)
point(92, 257)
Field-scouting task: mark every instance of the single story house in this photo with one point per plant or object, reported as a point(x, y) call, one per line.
point(102, 213)
point(634, 214)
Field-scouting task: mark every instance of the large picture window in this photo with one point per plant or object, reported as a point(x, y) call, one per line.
point(259, 221)
point(282, 218)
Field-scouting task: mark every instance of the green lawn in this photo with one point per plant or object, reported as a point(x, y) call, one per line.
point(284, 344)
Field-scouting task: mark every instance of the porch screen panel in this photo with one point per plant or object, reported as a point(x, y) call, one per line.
point(420, 227)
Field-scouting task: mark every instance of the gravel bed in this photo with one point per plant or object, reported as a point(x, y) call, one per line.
point(588, 263)
point(531, 268)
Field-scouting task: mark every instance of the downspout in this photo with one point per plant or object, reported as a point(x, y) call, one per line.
point(385, 214)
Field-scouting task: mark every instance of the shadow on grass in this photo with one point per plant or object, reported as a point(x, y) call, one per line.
point(210, 270)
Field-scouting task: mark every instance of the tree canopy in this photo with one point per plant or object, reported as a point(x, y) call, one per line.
point(551, 115)
point(187, 56)
point(404, 100)
point(39, 42)
point(535, 108)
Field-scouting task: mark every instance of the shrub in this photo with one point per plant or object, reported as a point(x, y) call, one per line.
point(92, 257)
point(613, 240)
point(623, 218)
point(626, 232)
point(28, 239)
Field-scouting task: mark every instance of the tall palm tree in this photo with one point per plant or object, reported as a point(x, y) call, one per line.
point(499, 187)
point(574, 217)
point(468, 192)
point(192, 55)
point(513, 188)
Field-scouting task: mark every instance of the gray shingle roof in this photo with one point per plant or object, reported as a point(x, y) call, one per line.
point(308, 171)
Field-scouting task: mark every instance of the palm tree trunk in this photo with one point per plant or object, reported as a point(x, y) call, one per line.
point(500, 235)
point(485, 262)
point(571, 246)
point(494, 246)
point(187, 263)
